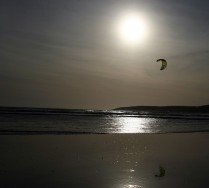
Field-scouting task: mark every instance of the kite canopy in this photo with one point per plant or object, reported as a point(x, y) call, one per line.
point(164, 63)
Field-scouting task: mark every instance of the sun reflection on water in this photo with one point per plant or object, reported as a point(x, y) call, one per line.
point(131, 125)
point(130, 182)
point(131, 186)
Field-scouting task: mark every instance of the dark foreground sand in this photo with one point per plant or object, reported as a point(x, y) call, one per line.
point(104, 161)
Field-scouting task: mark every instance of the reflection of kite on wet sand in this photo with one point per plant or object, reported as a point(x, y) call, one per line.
point(164, 63)
point(162, 172)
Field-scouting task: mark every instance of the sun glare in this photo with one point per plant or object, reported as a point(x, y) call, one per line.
point(132, 28)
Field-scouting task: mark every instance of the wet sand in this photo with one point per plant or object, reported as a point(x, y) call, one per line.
point(105, 161)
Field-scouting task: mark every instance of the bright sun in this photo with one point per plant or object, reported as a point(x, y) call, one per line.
point(132, 28)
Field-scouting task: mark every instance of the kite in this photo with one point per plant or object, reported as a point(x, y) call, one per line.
point(164, 63)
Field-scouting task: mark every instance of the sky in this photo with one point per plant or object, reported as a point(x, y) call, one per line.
point(69, 54)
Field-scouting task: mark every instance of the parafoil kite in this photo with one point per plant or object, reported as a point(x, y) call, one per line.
point(164, 63)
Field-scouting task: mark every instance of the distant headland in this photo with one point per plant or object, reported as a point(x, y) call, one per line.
point(204, 108)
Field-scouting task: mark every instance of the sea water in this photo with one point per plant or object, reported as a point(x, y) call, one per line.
point(57, 121)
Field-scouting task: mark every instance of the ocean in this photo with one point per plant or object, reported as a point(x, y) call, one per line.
point(64, 121)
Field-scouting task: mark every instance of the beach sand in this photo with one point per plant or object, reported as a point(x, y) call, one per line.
point(104, 161)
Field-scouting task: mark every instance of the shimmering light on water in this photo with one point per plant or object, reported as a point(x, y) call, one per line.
point(131, 186)
point(132, 170)
point(42, 121)
point(131, 124)
point(130, 183)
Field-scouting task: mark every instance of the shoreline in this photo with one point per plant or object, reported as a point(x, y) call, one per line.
point(29, 133)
